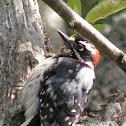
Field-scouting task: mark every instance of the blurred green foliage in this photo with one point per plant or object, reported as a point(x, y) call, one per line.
point(100, 10)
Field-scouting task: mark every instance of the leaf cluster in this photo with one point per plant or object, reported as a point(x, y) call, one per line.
point(99, 11)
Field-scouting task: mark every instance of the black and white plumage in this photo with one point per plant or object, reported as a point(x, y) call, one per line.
point(59, 88)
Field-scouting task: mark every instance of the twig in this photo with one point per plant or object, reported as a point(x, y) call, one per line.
point(85, 29)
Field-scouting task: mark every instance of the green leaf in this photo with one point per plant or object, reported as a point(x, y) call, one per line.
point(104, 8)
point(98, 26)
point(75, 34)
point(70, 3)
point(75, 5)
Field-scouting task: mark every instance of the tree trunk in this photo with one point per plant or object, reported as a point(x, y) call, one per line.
point(23, 44)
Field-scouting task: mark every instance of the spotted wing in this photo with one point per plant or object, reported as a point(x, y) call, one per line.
point(59, 96)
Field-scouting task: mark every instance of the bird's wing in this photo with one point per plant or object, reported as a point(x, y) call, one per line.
point(29, 96)
point(65, 83)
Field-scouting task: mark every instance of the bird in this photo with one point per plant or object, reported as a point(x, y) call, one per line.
point(59, 88)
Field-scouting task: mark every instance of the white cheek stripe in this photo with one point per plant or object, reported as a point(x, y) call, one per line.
point(88, 46)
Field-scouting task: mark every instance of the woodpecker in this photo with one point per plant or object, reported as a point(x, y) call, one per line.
point(59, 88)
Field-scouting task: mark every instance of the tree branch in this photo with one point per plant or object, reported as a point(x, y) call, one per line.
point(85, 29)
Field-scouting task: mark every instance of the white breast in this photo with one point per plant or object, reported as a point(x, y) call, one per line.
point(85, 79)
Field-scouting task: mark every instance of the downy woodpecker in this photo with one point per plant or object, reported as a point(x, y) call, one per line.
point(59, 88)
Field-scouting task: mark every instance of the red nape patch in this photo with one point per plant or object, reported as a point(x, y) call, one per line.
point(96, 57)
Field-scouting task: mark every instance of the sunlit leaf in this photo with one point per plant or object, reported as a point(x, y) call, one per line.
point(98, 26)
point(104, 8)
point(75, 34)
point(70, 3)
point(75, 5)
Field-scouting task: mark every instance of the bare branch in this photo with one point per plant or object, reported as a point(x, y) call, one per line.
point(88, 31)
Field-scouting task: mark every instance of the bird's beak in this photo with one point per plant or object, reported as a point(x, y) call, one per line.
point(70, 40)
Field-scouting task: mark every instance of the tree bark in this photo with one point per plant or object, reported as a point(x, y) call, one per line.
point(23, 43)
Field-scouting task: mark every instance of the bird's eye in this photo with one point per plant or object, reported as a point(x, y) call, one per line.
point(81, 47)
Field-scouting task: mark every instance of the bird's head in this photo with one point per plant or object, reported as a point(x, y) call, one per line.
point(81, 48)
